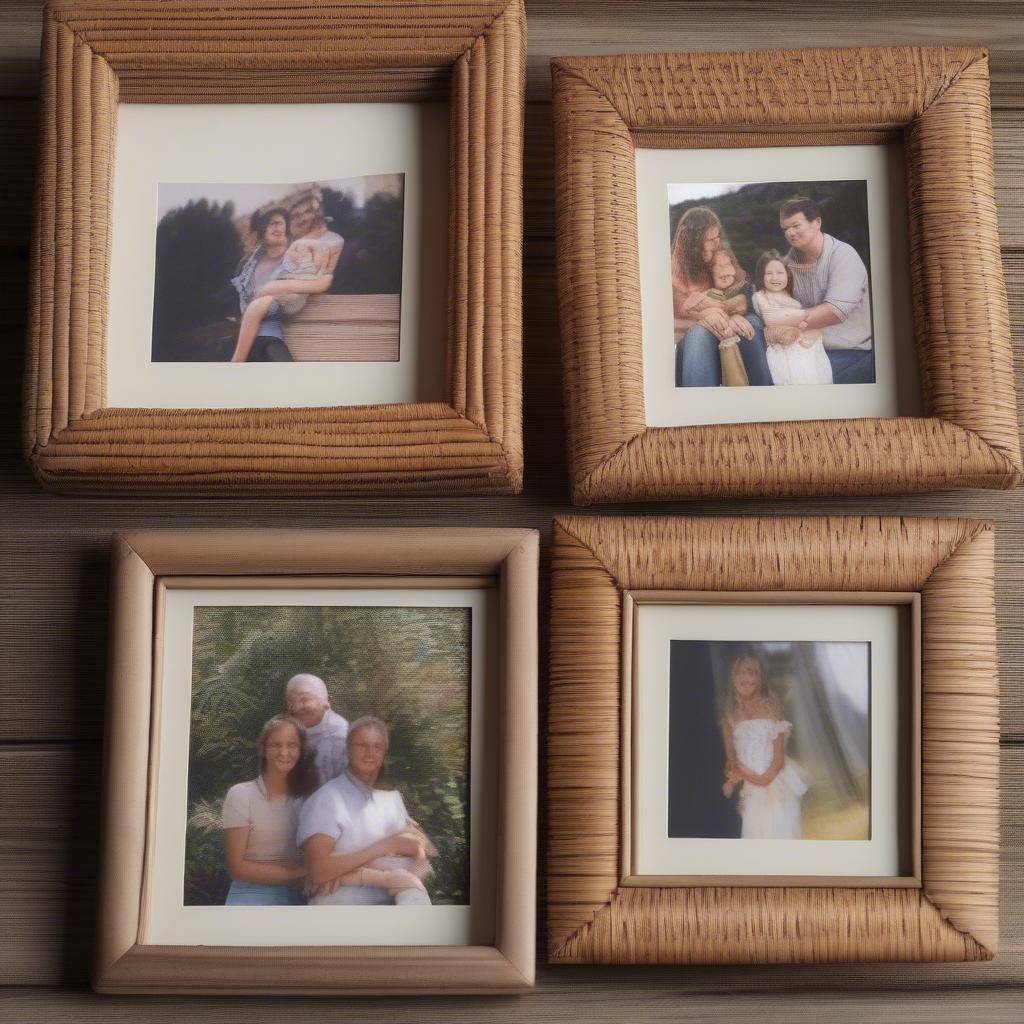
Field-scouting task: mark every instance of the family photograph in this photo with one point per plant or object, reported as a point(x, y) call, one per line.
point(329, 757)
point(279, 273)
point(771, 284)
point(769, 740)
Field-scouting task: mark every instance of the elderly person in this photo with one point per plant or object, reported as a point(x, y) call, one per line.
point(700, 321)
point(326, 730)
point(830, 282)
point(349, 830)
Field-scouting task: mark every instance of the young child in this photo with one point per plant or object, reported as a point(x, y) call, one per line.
point(795, 355)
point(310, 260)
point(754, 734)
point(727, 292)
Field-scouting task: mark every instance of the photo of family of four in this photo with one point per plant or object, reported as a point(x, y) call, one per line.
point(312, 827)
point(328, 756)
point(769, 740)
point(802, 316)
point(279, 273)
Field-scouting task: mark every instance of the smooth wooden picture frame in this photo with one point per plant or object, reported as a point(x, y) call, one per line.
point(95, 56)
point(143, 565)
point(935, 100)
point(952, 915)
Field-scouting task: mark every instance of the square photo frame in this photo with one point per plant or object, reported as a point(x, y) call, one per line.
point(466, 437)
point(614, 115)
point(646, 886)
point(384, 700)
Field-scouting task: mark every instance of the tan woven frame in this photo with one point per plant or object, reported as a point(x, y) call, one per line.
point(935, 99)
point(98, 53)
point(144, 564)
point(953, 916)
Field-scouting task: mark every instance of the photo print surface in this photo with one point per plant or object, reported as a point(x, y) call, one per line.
point(328, 757)
point(278, 273)
point(771, 283)
point(769, 740)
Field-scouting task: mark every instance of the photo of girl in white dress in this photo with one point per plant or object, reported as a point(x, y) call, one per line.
point(769, 740)
point(754, 734)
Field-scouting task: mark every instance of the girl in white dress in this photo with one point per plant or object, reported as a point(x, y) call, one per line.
point(796, 354)
point(755, 735)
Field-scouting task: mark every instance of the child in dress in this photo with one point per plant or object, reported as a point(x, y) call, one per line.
point(755, 734)
point(310, 258)
point(796, 355)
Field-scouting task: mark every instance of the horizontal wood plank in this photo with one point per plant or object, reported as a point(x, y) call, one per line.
point(563, 994)
point(49, 856)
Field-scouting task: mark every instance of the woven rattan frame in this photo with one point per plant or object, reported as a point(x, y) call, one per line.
point(935, 99)
point(98, 53)
point(953, 916)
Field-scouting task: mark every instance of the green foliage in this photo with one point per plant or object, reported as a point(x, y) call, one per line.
point(197, 251)
point(371, 261)
point(407, 666)
point(750, 215)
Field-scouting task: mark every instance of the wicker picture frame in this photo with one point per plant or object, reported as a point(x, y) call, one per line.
point(933, 99)
point(145, 566)
point(951, 915)
point(97, 55)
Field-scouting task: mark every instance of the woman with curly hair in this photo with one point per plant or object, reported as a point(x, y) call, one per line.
point(700, 321)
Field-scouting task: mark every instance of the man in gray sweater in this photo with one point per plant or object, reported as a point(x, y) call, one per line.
point(326, 730)
point(831, 282)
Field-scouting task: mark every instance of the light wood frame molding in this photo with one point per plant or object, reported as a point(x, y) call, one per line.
point(142, 565)
point(953, 915)
point(100, 53)
point(934, 99)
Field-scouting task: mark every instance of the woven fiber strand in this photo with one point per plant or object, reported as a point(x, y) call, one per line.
point(934, 97)
point(96, 55)
point(954, 916)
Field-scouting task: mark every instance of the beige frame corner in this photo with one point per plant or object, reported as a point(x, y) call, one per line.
point(952, 915)
point(934, 99)
point(95, 56)
point(141, 563)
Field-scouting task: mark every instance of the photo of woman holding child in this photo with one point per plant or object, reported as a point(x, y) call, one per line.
point(776, 299)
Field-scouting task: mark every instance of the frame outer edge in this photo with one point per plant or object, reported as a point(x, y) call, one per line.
point(516, 923)
point(945, 921)
point(125, 758)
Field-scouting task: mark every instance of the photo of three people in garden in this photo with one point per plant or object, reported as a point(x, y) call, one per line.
point(348, 785)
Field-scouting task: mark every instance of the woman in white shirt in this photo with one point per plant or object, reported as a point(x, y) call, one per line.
point(261, 817)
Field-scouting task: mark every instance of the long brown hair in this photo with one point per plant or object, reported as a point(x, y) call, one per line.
point(687, 245)
point(771, 256)
point(302, 779)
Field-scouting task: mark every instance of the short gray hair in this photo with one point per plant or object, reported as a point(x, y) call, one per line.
point(307, 679)
point(365, 722)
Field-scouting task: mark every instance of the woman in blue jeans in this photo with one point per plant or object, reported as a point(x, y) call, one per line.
point(699, 236)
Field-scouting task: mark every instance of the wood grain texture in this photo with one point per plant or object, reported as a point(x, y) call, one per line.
point(937, 96)
point(54, 625)
point(954, 916)
point(49, 865)
point(94, 56)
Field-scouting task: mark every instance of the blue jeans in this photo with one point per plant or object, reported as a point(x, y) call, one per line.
point(852, 365)
point(698, 364)
point(260, 894)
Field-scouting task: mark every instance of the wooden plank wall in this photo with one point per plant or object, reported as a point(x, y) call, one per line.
point(53, 609)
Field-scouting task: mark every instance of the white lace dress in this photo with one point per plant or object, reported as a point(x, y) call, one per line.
point(772, 811)
point(792, 364)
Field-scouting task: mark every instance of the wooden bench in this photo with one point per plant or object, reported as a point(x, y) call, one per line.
point(345, 328)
